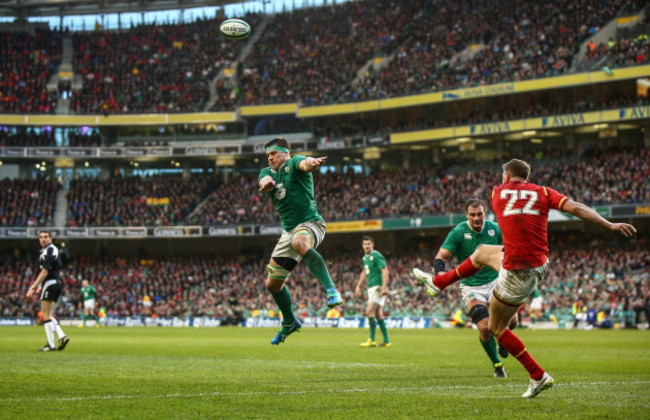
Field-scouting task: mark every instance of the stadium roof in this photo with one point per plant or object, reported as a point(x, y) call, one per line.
point(29, 8)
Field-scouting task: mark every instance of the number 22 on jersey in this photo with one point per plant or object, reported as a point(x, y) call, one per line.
point(513, 195)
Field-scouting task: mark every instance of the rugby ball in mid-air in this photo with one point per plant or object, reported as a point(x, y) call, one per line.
point(234, 29)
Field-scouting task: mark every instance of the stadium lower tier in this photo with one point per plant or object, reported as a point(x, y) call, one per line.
point(611, 281)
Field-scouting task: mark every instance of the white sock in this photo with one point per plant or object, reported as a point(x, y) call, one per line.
point(58, 329)
point(49, 333)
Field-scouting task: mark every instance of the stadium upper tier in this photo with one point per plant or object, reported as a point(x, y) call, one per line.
point(153, 68)
point(355, 51)
point(27, 62)
point(595, 178)
point(596, 277)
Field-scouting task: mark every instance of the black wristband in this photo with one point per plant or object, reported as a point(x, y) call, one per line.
point(438, 265)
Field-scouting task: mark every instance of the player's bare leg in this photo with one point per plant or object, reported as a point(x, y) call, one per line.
point(501, 314)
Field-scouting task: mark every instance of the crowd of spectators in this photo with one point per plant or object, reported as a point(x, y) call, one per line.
point(596, 178)
point(314, 56)
point(514, 40)
point(27, 60)
point(612, 279)
point(621, 52)
point(27, 202)
point(150, 68)
point(310, 56)
point(134, 201)
point(518, 40)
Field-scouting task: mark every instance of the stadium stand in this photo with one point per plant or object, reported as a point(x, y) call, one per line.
point(595, 177)
point(27, 61)
point(598, 178)
point(134, 201)
point(150, 68)
point(169, 67)
point(607, 278)
point(27, 202)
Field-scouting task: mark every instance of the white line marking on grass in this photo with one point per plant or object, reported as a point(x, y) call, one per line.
point(315, 391)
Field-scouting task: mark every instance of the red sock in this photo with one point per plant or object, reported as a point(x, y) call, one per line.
point(464, 270)
point(516, 347)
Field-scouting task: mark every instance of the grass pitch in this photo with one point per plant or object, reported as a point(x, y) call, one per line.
point(115, 373)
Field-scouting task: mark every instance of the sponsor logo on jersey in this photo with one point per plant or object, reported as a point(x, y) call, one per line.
point(468, 236)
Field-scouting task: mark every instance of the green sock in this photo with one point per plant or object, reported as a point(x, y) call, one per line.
point(96, 318)
point(533, 320)
point(85, 318)
point(384, 331)
point(283, 299)
point(490, 347)
point(316, 265)
point(373, 327)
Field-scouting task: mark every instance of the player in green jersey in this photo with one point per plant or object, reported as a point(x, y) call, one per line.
point(290, 186)
point(88, 293)
point(375, 272)
point(476, 290)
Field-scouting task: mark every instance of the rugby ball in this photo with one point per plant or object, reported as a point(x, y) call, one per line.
point(234, 29)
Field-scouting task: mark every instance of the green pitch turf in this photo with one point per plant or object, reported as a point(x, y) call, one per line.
point(162, 373)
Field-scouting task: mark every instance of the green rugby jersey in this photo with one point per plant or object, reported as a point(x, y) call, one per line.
point(88, 292)
point(293, 194)
point(462, 241)
point(372, 266)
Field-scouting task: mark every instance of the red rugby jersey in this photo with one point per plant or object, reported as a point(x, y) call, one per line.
point(522, 214)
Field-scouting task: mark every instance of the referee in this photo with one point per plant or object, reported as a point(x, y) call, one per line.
point(49, 262)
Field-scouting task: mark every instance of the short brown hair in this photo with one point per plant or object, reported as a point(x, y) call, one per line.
point(48, 232)
point(368, 238)
point(517, 168)
point(278, 141)
point(475, 202)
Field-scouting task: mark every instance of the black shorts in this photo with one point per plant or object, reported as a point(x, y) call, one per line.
point(51, 290)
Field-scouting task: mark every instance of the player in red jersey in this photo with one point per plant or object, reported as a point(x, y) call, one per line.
point(522, 211)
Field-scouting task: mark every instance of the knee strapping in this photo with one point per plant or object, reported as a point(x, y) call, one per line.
point(278, 273)
point(478, 313)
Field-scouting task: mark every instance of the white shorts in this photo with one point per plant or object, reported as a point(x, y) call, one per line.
point(89, 304)
point(537, 303)
point(316, 230)
point(374, 295)
point(482, 292)
point(514, 286)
